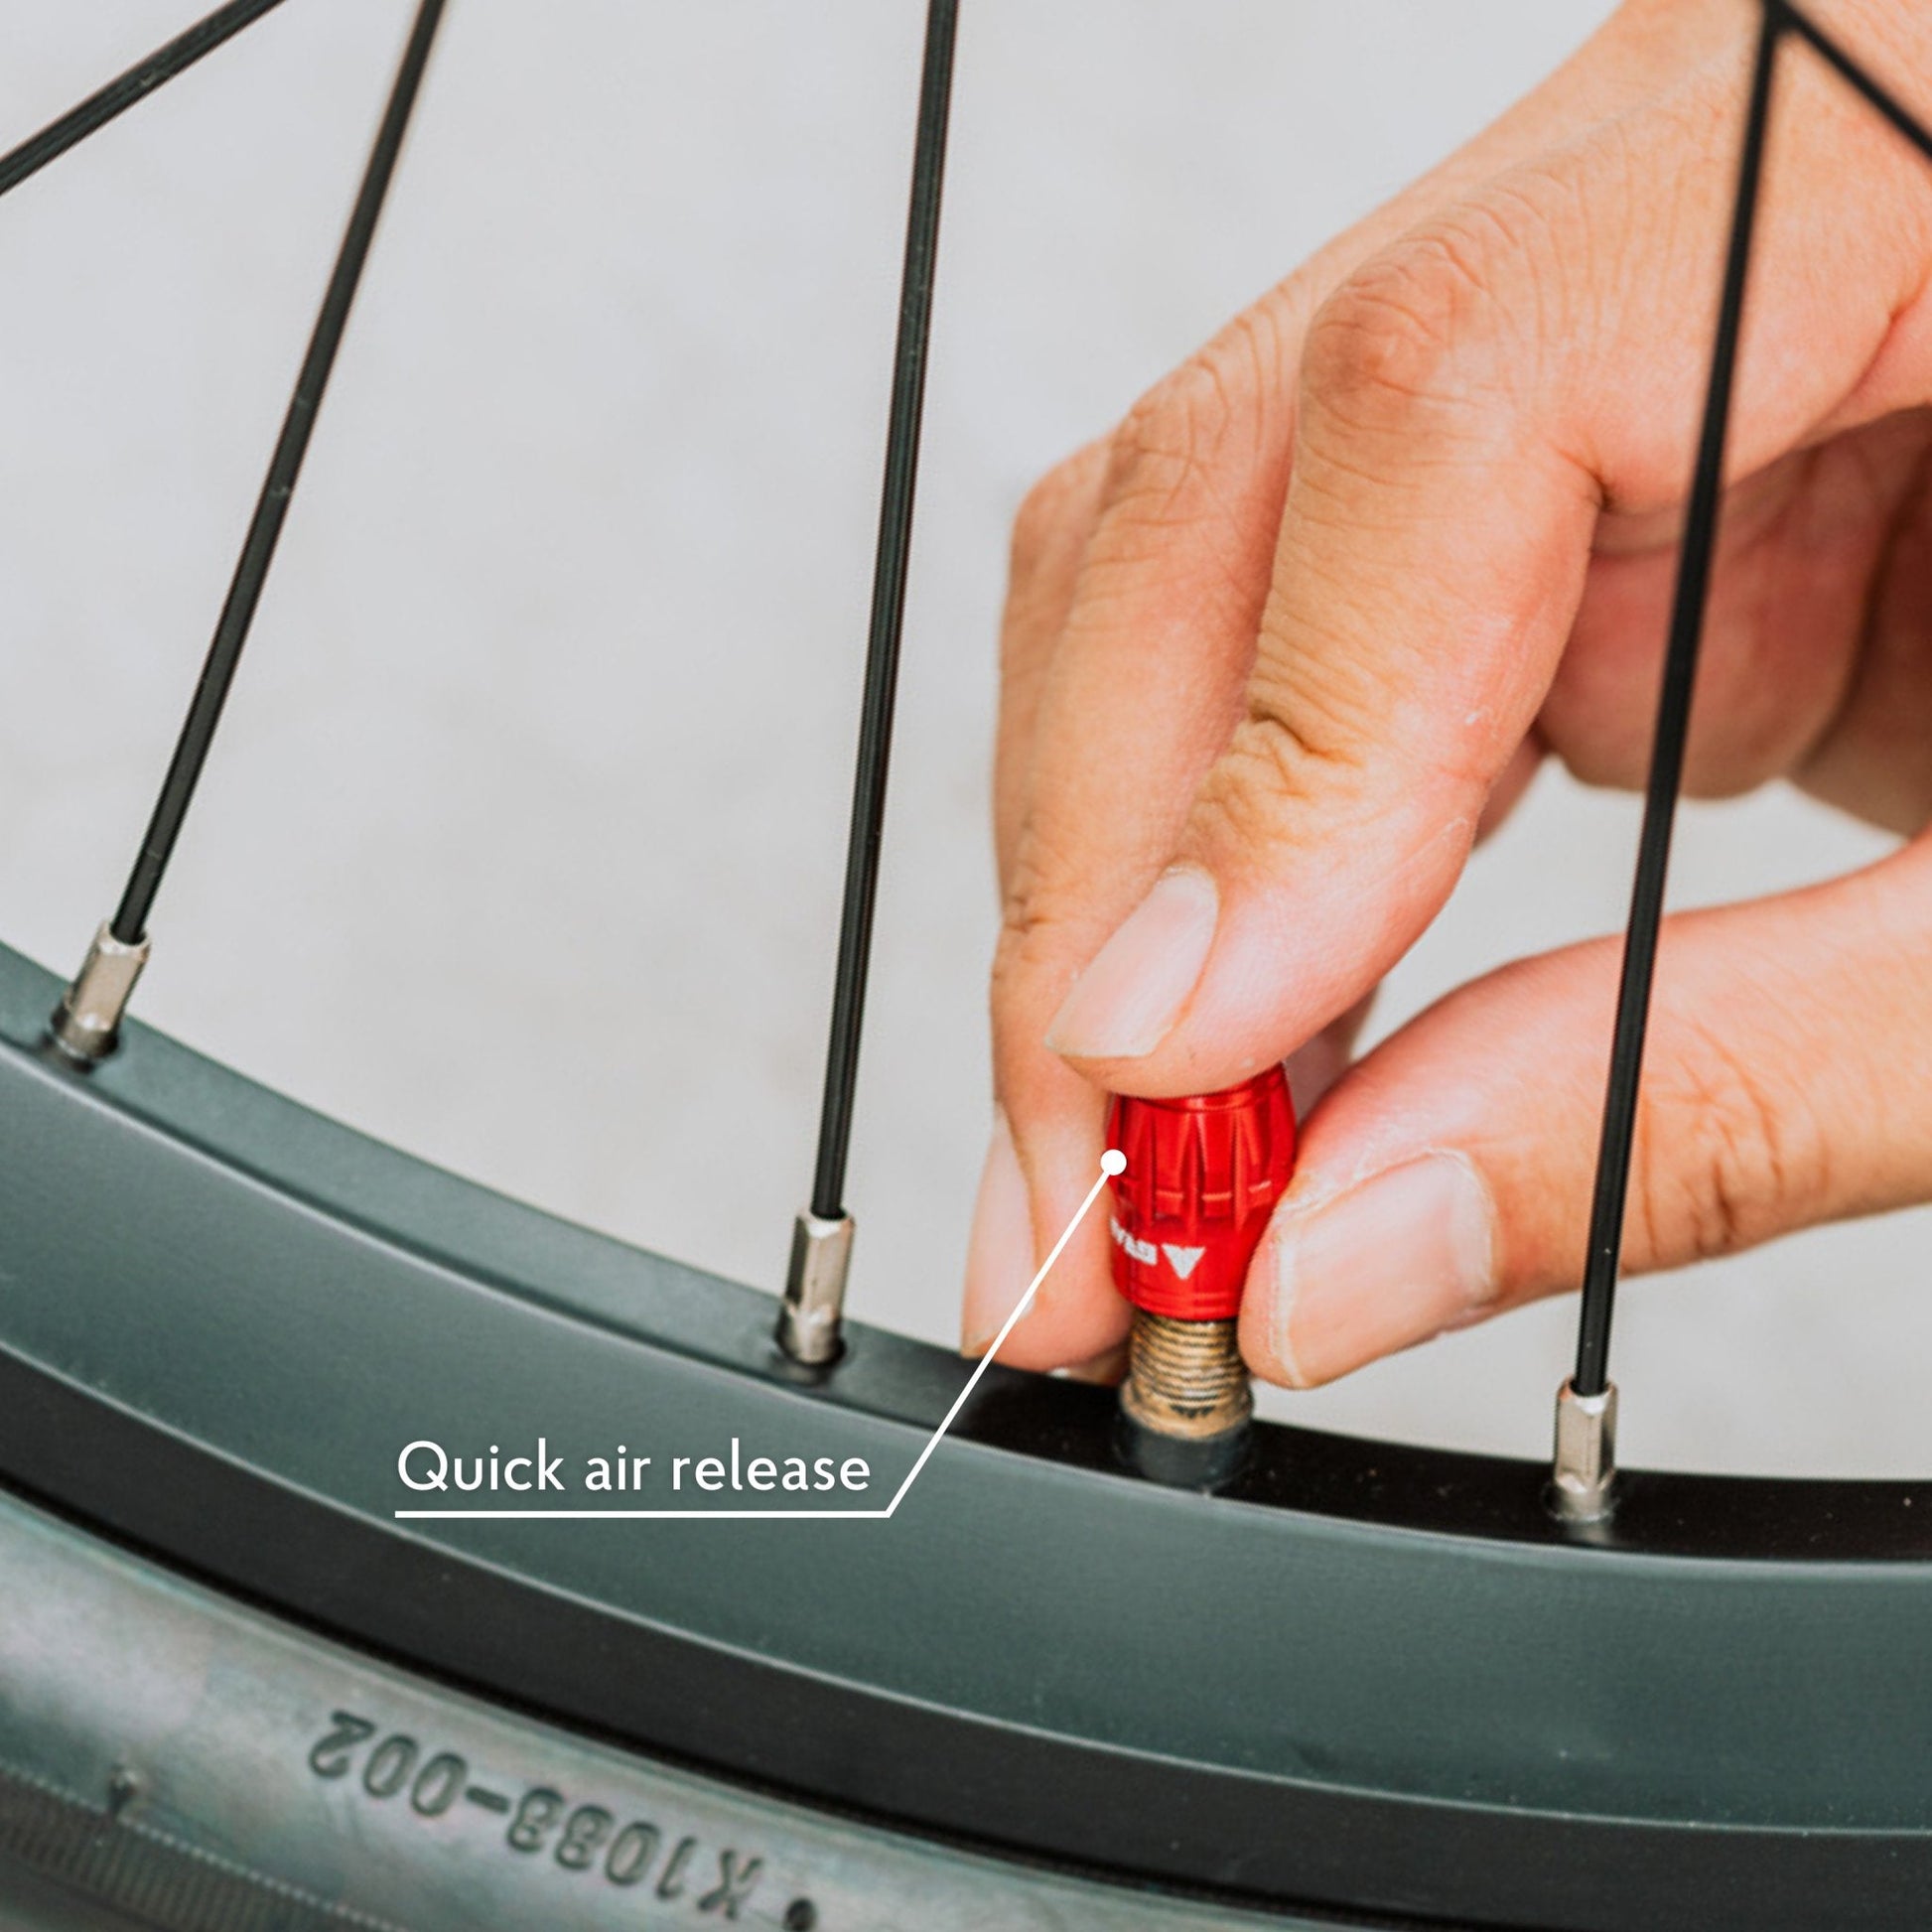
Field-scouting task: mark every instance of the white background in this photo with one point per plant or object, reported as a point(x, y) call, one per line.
point(521, 844)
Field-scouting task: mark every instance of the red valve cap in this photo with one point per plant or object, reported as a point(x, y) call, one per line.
point(1202, 1175)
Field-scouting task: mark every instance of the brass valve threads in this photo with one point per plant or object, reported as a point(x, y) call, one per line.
point(1186, 1380)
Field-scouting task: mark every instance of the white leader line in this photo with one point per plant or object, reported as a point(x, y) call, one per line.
point(1111, 1164)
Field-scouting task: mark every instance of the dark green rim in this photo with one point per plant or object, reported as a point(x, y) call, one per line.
point(1369, 1678)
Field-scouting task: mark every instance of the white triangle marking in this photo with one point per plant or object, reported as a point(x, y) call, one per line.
point(1182, 1260)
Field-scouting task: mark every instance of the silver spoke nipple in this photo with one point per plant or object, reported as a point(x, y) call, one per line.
point(1584, 1471)
point(88, 1022)
point(808, 1319)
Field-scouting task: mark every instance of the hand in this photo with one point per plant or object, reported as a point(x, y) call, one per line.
point(1281, 648)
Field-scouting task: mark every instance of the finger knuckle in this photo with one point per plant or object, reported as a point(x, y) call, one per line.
point(1201, 422)
point(1430, 322)
point(1381, 342)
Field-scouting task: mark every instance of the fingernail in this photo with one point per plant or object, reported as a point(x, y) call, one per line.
point(1392, 1262)
point(1122, 1004)
point(1000, 1253)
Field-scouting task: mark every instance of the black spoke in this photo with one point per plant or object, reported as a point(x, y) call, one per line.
point(120, 93)
point(1667, 752)
point(271, 508)
point(888, 613)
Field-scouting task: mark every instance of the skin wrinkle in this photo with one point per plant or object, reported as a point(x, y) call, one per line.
point(1288, 707)
point(1770, 1162)
point(1173, 442)
point(1524, 237)
point(1230, 813)
point(1728, 1177)
point(1283, 692)
point(1162, 483)
point(1161, 453)
point(1220, 549)
point(1113, 590)
point(1434, 756)
point(1327, 477)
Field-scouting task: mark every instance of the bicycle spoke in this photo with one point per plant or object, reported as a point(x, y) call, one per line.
point(1585, 1407)
point(120, 93)
point(1584, 1464)
point(822, 1241)
point(87, 1020)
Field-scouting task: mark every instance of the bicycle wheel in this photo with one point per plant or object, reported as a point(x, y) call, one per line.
point(1357, 1683)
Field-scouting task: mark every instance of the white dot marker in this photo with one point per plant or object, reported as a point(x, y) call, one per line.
point(1113, 1162)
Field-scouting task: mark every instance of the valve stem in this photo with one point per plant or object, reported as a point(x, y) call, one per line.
point(1186, 1379)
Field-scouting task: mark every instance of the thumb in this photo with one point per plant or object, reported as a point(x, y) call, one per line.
point(1787, 1080)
